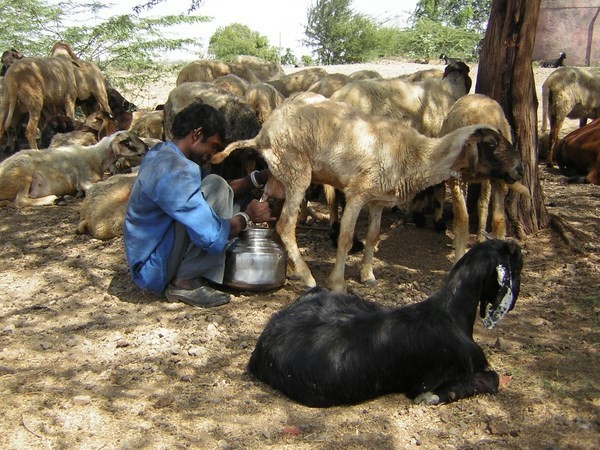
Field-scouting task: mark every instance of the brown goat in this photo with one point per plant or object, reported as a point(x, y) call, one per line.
point(578, 154)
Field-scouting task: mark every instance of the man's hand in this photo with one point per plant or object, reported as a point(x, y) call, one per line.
point(260, 212)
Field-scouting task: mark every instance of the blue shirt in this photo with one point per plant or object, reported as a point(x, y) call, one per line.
point(167, 189)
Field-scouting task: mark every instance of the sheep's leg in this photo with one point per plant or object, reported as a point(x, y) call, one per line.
point(500, 190)
point(460, 225)
point(366, 271)
point(439, 192)
point(31, 130)
point(483, 203)
point(555, 126)
point(286, 228)
point(351, 211)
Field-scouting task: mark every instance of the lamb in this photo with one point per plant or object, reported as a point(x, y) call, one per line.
point(568, 92)
point(470, 110)
point(329, 348)
point(35, 178)
point(555, 62)
point(102, 211)
point(374, 161)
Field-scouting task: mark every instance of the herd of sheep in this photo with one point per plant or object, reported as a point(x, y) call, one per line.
point(376, 141)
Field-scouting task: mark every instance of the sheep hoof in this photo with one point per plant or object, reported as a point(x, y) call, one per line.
point(60, 201)
point(427, 398)
point(369, 282)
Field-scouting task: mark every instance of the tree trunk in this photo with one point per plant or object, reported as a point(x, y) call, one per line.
point(506, 75)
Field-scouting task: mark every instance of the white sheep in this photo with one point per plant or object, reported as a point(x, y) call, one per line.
point(375, 161)
point(34, 177)
point(470, 110)
point(568, 92)
point(102, 211)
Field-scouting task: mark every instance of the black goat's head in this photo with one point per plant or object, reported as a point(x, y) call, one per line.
point(503, 289)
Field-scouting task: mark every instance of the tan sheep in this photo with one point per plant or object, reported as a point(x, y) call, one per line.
point(233, 84)
point(33, 177)
point(33, 85)
point(470, 110)
point(202, 70)
point(90, 81)
point(375, 161)
point(298, 81)
point(422, 75)
point(148, 124)
point(263, 98)
point(330, 83)
point(102, 211)
point(366, 74)
point(264, 70)
point(421, 105)
point(568, 92)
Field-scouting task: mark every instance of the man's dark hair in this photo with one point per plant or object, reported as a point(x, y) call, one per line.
point(199, 115)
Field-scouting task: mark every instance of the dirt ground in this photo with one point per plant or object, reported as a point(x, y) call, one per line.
point(89, 361)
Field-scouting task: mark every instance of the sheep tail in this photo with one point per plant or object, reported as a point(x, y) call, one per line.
point(219, 157)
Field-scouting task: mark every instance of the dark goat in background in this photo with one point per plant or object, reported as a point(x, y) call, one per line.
point(558, 62)
point(330, 348)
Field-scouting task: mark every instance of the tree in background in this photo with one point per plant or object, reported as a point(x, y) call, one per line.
point(505, 74)
point(237, 39)
point(471, 15)
point(125, 43)
point(337, 34)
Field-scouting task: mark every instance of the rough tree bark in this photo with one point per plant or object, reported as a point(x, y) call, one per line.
point(506, 75)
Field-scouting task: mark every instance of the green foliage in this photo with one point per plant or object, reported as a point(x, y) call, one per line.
point(471, 15)
point(288, 57)
point(339, 35)
point(307, 60)
point(426, 40)
point(237, 39)
point(126, 47)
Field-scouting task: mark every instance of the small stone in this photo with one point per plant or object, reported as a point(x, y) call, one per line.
point(46, 345)
point(82, 400)
point(502, 344)
point(197, 351)
point(9, 329)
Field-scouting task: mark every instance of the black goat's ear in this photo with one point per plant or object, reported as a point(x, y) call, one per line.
point(504, 299)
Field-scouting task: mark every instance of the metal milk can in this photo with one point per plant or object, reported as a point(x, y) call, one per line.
point(255, 261)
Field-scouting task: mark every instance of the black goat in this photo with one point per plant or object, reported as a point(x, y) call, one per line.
point(555, 62)
point(330, 348)
point(449, 60)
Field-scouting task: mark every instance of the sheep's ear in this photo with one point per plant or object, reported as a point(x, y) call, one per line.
point(504, 299)
point(472, 152)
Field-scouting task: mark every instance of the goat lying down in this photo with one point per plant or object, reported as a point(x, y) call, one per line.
point(375, 162)
point(330, 348)
point(34, 177)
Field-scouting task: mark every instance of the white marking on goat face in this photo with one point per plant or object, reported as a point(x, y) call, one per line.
point(495, 314)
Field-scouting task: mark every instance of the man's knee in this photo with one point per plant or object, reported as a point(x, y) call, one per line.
point(217, 193)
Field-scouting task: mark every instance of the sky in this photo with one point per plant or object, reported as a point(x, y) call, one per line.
point(281, 21)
